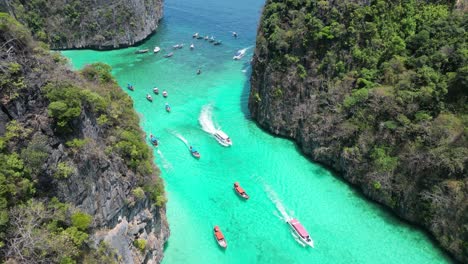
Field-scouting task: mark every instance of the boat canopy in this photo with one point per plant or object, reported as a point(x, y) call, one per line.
point(299, 228)
point(219, 236)
point(240, 190)
point(222, 134)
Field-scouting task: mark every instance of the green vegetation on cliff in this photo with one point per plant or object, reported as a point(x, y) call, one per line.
point(378, 90)
point(53, 124)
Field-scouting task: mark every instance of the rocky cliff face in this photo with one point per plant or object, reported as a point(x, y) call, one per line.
point(349, 82)
point(102, 24)
point(79, 140)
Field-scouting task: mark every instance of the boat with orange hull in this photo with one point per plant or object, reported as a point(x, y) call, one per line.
point(301, 232)
point(240, 191)
point(219, 237)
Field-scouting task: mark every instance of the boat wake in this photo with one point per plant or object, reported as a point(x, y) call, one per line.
point(282, 213)
point(206, 119)
point(277, 202)
point(179, 136)
point(165, 163)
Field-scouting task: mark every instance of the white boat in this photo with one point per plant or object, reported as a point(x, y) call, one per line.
point(301, 232)
point(149, 98)
point(195, 35)
point(222, 138)
point(156, 49)
point(192, 46)
point(239, 54)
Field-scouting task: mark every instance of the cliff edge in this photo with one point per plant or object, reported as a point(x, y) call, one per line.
point(77, 179)
point(103, 24)
point(376, 90)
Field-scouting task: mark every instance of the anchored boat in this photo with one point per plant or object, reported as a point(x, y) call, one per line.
point(149, 98)
point(240, 191)
point(219, 237)
point(153, 140)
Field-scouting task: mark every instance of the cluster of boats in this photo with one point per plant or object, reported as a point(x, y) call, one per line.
point(207, 38)
point(224, 140)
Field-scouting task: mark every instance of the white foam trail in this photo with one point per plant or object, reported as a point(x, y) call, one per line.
point(279, 205)
point(206, 119)
point(281, 209)
point(179, 136)
point(166, 164)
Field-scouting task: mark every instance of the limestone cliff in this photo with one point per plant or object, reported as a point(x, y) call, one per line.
point(96, 24)
point(73, 136)
point(375, 90)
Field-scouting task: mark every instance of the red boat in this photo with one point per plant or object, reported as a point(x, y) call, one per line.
point(219, 237)
point(301, 232)
point(240, 191)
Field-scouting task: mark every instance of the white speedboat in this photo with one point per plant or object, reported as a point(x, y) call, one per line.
point(192, 46)
point(222, 138)
point(156, 49)
point(301, 232)
point(239, 54)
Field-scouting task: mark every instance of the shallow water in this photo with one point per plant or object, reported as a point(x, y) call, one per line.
point(281, 182)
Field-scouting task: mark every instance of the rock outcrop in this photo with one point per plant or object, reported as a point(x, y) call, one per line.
point(349, 82)
point(79, 140)
point(103, 24)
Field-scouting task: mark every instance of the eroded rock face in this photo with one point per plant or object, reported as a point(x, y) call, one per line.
point(296, 93)
point(100, 183)
point(102, 24)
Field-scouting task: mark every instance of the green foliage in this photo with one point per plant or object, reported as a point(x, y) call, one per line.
point(140, 244)
point(377, 185)
point(81, 220)
point(99, 72)
point(63, 171)
point(358, 96)
point(382, 160)
point(76, 143)
point(139, 193)
point(35, 154)
point(156, 192)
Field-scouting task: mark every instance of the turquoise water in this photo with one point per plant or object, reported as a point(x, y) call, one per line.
point(281, 183)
